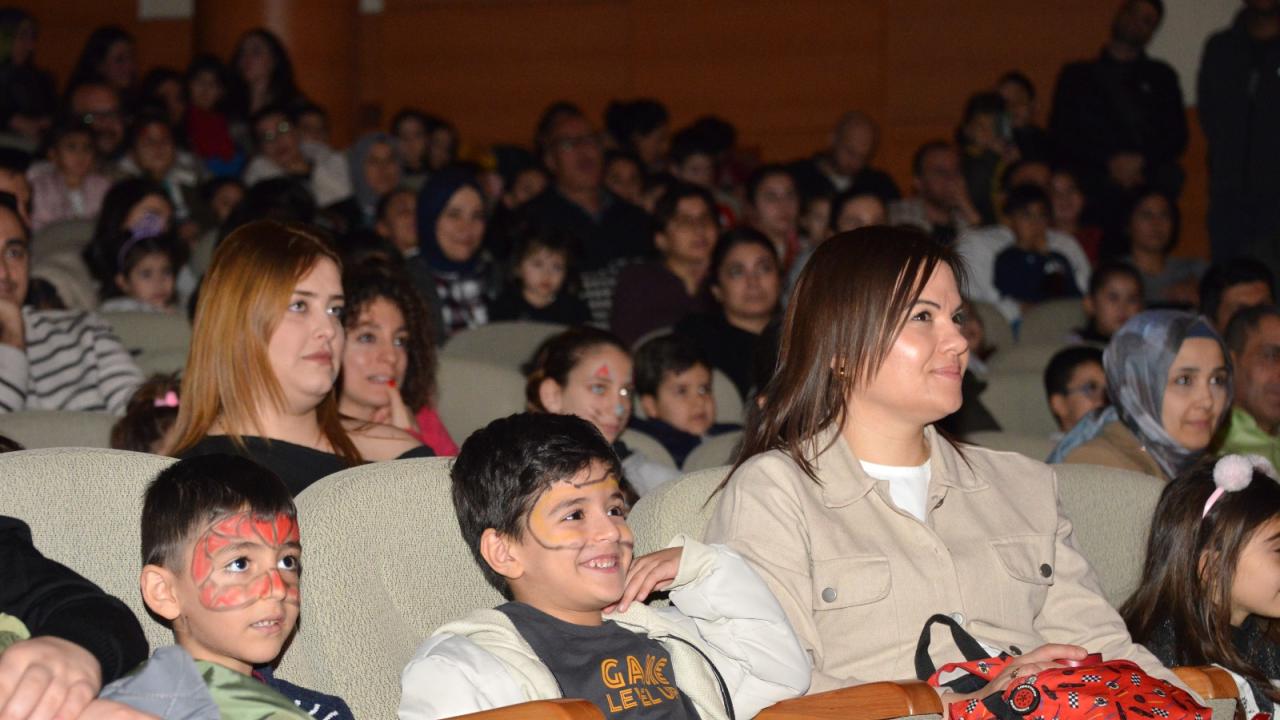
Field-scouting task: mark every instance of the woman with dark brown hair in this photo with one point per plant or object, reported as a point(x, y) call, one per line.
point(266, 349)
point(865, 521)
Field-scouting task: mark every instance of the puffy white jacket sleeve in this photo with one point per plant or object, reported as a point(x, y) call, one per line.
point(451, 675)
point(746, 633)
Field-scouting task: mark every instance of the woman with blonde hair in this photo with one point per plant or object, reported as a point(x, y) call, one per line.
point(265, 353)
point(865, 521)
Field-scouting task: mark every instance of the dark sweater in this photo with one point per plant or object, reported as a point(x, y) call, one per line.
point(1248, 639)
point(297, 465)
point(566, 309)
point(53, 600)
point(730, 349)
point(649, 297)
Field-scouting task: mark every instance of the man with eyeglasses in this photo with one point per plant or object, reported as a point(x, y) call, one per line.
point(1075, 385)
point(941, 206)
point(613, 233)
point(281, 152)
point(1253, 336)
point(97, 105)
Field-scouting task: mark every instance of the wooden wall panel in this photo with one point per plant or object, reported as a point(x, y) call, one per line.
point(781, 71)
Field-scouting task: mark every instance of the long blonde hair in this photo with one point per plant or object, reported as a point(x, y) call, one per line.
point(228, 374)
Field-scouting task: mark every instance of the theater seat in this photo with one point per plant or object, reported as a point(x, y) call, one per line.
point(65, 236)
point(1016, 400)
point(150, 337)
point(1023, 357)
point(998, 332)
point(474, 392)
point(714, 452)
point(385, 566)
point(1049, 323)
point(647, 445)
point(84, 507)
point(729, 406)
point(509, 344)
point(1036, 447)
point(58, 428)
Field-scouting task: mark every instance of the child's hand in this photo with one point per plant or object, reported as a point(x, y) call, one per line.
point(654, 571)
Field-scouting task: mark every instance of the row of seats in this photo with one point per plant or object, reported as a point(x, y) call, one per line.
point(386, 564)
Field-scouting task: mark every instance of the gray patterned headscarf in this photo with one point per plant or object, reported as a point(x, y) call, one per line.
point(1136, 363)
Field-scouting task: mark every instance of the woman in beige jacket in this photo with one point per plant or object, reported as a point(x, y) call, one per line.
point(865, 521)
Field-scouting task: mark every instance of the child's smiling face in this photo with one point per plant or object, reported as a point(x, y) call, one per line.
point(576, 547)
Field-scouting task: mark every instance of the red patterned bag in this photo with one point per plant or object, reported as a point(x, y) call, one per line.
point(1089, 689)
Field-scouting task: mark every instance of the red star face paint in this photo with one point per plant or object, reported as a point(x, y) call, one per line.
point(243, 558)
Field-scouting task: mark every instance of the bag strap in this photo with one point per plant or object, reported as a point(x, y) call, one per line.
point(971, 649)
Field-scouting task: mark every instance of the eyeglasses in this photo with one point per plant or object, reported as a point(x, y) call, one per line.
point(572, 143)
point(1091, 390)
point(93, 117)
point(270, 134)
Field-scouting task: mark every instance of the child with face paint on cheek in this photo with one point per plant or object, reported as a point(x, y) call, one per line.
point(587, 372)
point(540, 503)
point(222, 559)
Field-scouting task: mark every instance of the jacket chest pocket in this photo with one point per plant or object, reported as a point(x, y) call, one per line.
point(848, 582)
point(1024, 573)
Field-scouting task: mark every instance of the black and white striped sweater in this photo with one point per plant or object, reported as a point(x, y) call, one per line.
point(73, 361)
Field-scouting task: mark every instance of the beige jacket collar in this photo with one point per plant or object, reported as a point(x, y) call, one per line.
point(835, 461)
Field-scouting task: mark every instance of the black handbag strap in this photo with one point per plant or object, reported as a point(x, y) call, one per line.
point(971, 649)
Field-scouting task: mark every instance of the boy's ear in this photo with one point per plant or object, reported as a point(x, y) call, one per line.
point(122, 283)
point(649, 404)
point(159, 591)
point(662, 242)
point(501, 553)
point(1089, 307)
point(1058, 406)
point(551, 396)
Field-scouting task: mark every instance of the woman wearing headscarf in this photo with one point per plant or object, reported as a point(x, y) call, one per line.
point(1169, 380)
point(450, 269)
point(373, 170)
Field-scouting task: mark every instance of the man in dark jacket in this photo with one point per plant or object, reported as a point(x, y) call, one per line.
point(80, 637)
point(1119, 120)
point(1239, 99)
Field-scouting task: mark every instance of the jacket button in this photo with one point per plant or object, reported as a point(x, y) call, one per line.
point(1046, 570)
point(958, 617)
point(829, 594)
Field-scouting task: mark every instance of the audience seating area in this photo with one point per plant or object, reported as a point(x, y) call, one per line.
point(381, 540)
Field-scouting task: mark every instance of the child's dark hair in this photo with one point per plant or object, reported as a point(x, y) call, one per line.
point(1107, 270)
point(194, 492)
point(65, 127)
point(665, 210)
point(556, 357)
point(534, 238)
point(1236, 271)
point(1191, 564)
point(1057, 374)
point(364, 282)
point(665, 354)
point(503, 468)
point(1023, 196)
point(133, 249)
point(149, 415)
point(384, 202)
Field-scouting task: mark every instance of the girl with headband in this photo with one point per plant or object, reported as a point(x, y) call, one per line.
point(1209, 586)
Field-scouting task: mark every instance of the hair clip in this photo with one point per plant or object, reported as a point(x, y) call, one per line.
point(1233, 473)
point(170, 400)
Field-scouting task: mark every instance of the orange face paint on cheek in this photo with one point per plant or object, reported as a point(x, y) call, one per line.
point(546, 528)
point(222, 589)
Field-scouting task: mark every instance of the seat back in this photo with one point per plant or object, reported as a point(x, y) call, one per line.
point(1036, 447)
point(682, 506)
point(1048, 323)
point(84, 507)
point(58, 428)
point(728, 402)
point(474, 392)
point(69, 236)
point(508, 344)
point(385, 566)
point(1016, 400)
point(998, 331)
point(1023, 357)
point(714, 452)
point(149, 334)
point(1111, 512)
point(647, 445)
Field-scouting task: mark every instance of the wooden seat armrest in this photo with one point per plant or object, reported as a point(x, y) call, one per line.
point(540, 710)
point(1208, 681)
point(872, 701)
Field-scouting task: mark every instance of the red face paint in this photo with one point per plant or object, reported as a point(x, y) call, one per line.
point(249, 571)
point(602, 372)
point(391, 383)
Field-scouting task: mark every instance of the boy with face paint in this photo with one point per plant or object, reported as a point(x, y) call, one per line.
point(539, 504)
point(222, 554)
